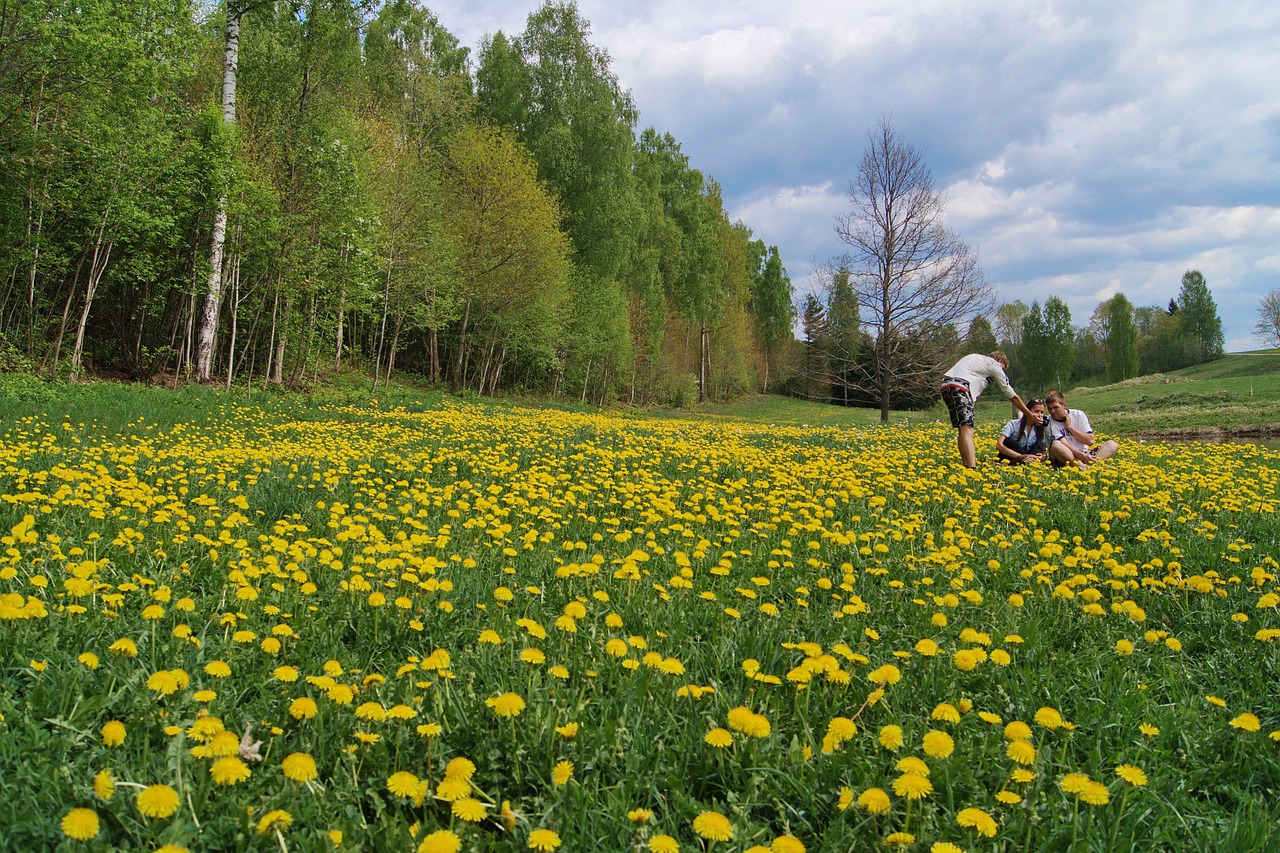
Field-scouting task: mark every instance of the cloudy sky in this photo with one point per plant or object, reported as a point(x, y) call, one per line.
point(1085, 147)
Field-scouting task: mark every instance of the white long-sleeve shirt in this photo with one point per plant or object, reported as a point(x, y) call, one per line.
point(978, 370)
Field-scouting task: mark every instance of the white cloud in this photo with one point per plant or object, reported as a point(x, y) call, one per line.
point(1086, 148)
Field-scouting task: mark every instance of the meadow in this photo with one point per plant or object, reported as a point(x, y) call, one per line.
point(446, 625)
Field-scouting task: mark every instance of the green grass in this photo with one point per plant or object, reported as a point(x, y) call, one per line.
point(862, 541)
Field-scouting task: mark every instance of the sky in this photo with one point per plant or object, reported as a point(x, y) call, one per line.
point(1084, 148)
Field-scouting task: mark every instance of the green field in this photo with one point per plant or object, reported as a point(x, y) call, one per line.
point(440, 624)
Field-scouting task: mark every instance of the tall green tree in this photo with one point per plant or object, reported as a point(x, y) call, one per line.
point(773, 306)
point(843, 331)
point(1119, 337)
point(560, 95)
point(512, 258)
point(1199, 326)
point(1033, 349)
point(817, 373)
point(981, 337)
point(1060, 340)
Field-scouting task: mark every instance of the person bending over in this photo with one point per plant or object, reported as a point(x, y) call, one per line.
point(1021, 441)
point(1070, 434)
point(961, 387)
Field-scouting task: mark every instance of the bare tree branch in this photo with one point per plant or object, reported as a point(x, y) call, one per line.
point(913, 277)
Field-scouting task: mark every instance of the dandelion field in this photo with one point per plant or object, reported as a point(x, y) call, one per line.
point(364, 627)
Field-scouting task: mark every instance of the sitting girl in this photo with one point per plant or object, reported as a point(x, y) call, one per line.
point(1021, 441)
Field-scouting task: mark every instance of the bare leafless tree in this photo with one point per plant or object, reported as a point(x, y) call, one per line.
point(914, 278)
point(1268, 328)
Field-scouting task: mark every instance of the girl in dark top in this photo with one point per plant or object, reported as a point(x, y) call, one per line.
point(1021, 440)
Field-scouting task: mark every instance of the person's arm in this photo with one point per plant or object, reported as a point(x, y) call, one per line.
point(1022, 407)
point(1084, 436)
point(1005, 450)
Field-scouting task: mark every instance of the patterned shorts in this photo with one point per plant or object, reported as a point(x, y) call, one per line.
point(955, 393)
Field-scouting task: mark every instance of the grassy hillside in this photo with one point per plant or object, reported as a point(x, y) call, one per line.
point(1239, 393)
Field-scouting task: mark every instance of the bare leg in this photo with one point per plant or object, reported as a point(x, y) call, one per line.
point(964, 442)
point(1060, 453)
point(1107, 450)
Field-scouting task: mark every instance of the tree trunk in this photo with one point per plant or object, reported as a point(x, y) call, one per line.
point(342, 315)
point(213, 289)
point(277, 365)
point(271, 340)
point(395, 343)
point(101, 255)
point(382, 330)
point(235, 316)
point(703, 355)
point(433, 354)
point(462, 344)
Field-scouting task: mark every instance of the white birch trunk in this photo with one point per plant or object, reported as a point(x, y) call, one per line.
point(213, 290)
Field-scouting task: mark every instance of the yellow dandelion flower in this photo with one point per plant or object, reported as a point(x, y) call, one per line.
point(1049, 718)
point(891, 737)
point(543, 840)
point(299, 766)
point(217, 668)
point(719, 738)
point(275, 819)
point(663, 844)
point(440, 841)
point(846, 798)
point(1017, 730)
point(874, 800)
point(1132, 774)
point(568, 730)
point(229, 771)
point(912, 764)
point(1149, 730)
point(913, 786)
point(460, 768)
point(1021, 751)
point(786, 844)
point(1095, 794)
point(303, 708)
point(1009, 798)
point(899, 839)
point(938, 744)
point(713, 826)
point(454, 788)
point(80, 824)
point(506, 705)
point(104, 785)
point(469, 809)
point(946, 712)
point(1074, 783)
point(158, 801)
point(113, 733)
point(404, 784)
point(978, 820)
point(562, 773)
point(1247, 722)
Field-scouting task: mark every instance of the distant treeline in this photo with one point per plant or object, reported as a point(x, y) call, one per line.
point(274, 188)
point(1045, 350)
